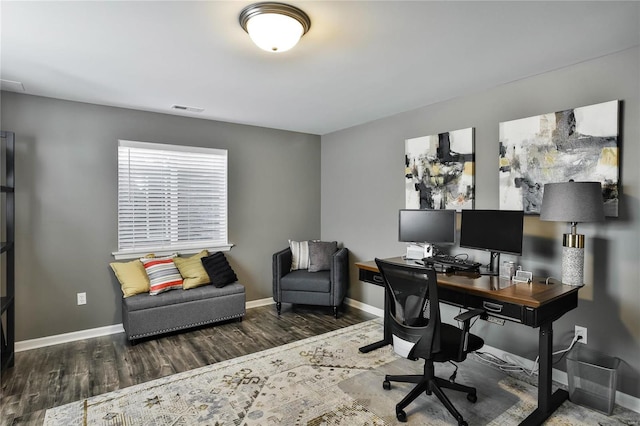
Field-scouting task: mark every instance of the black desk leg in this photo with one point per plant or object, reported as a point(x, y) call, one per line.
point(387, 339)
point(547, 402)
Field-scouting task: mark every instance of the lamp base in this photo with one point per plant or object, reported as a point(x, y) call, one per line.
point(573, 259)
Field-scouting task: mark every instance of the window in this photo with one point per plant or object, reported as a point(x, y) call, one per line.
point(170, 198)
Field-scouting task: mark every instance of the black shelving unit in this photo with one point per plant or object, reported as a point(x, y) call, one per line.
point(7, 298)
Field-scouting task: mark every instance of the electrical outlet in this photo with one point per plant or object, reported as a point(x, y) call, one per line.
point(82, 298)
point(581, 331)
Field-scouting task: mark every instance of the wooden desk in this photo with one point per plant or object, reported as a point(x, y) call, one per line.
point(534, 305)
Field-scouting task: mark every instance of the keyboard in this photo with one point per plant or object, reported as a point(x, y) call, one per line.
point(452, 262)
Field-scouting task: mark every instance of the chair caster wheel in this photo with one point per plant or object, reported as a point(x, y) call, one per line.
point(472, 397)
point(386, 385)
point(401, 416)
point(463, 423)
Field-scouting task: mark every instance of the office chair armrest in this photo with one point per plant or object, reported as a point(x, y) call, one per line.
point(466, 316)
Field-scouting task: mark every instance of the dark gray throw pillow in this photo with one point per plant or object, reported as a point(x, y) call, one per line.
point(219, 270)
point(320, 253)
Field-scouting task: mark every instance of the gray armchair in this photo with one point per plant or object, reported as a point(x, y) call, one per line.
point(324, 288)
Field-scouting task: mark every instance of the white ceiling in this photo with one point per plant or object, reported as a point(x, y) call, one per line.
point(361, 60)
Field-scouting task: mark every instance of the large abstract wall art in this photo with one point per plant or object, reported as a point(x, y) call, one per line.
point(579, 144)
point(439, 171)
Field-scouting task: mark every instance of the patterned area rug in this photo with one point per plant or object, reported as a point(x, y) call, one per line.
point(323, 380)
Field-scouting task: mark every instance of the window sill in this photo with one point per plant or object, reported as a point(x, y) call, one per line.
point(120, 255)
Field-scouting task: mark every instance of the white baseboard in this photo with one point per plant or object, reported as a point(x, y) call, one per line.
point(41, 342)
point(349, 302)
point(364, 307)
point(622, 399)
point(627, 401)
point(260, 302)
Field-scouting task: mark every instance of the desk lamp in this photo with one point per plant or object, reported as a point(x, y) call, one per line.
point(572, 202)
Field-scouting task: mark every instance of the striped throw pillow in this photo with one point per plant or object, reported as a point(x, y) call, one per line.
point(299, 254)
point(163, 274)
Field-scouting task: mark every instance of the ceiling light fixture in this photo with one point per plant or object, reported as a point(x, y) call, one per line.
point(274, 27)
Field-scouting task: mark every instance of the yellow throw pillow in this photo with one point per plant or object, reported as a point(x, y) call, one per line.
point(192, 271)
point(132, 276)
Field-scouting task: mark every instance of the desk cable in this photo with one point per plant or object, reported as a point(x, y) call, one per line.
point(564, 351)
point(506, 364)
point(513, 365)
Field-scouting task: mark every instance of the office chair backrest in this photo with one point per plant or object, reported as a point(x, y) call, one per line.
point(414, 307)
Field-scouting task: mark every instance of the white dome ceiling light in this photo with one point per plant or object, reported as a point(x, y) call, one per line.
point(274, 27)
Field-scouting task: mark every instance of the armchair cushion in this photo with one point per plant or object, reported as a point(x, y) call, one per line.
point(320, 253)
point(304, 281)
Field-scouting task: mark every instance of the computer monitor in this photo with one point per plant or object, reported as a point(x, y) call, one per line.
point(495, 231)
point(427, 226)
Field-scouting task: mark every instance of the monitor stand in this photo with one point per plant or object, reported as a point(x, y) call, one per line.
point(494, 264)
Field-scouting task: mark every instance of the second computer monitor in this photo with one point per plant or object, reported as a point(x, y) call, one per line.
point(497, 231)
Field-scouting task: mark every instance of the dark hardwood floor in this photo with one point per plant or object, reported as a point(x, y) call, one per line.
point(56, 375)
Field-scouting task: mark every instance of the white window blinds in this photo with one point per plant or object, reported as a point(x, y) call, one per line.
point(170, 197)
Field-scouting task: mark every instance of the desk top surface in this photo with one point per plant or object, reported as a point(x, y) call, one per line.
point(534, 294)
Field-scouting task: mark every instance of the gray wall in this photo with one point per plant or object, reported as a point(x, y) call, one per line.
point(363, 188)
point(66, 202)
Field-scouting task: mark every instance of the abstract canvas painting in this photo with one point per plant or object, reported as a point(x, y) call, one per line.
point(579, 144)
point(439, 171)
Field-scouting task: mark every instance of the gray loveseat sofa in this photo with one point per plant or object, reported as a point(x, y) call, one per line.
point(144, 315)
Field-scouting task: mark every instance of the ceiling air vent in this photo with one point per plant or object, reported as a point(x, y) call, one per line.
point(187, 108)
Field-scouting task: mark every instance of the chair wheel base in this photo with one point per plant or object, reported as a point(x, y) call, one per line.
point(386, 385)
point(463, 423)
point(401, 416)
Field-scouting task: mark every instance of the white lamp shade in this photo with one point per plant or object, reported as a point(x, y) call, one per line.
point(274, 32)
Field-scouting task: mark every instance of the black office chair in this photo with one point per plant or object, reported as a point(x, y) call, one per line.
point(414, 321)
